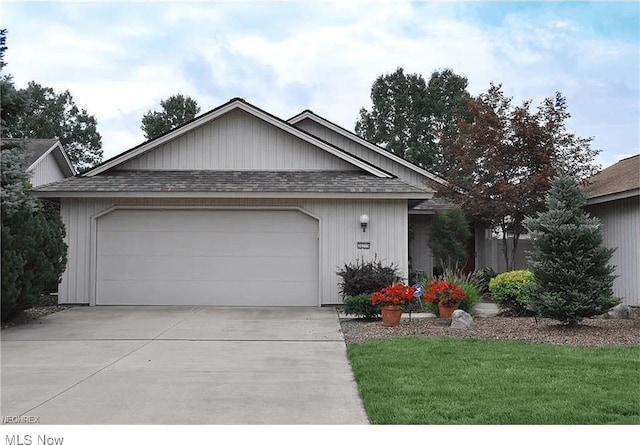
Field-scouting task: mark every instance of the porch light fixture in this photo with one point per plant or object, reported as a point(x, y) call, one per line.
point(364, 221)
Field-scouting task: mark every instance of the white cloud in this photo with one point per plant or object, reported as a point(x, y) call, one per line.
point(121, 60)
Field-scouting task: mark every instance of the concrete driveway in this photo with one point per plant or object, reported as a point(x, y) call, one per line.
point(180, 365)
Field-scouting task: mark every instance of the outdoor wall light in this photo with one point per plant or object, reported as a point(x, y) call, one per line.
point(364, 221)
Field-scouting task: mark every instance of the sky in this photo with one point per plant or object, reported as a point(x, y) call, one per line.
point(119, 59)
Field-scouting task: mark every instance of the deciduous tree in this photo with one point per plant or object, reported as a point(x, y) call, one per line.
point(47, 114)
point(409, 115)
point(176, 110)
point(505, 157)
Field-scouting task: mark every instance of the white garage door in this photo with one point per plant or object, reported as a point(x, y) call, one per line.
point(207, 257)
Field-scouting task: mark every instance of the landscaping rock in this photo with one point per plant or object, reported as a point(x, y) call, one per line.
point(461, 320)
point(620, 311)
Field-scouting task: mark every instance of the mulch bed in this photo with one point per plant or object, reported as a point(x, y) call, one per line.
point(592, 333)
point(45, 305)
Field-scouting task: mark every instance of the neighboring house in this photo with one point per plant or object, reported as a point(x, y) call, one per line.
point(613, 196)
point(46, 159)
point(236, 207)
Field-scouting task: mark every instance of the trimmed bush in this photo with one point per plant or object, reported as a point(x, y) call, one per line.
point(366, 277)
point(510, 290)
point(360, 306)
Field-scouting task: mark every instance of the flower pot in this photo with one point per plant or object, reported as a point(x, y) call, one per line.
point(391, 315)
point(446, 311)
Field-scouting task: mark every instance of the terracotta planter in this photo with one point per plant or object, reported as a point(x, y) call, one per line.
point(446, 311)
point(391, 315)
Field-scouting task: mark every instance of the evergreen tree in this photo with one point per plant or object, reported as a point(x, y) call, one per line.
point(34, 254)
point(573, 277)
point(448, 239)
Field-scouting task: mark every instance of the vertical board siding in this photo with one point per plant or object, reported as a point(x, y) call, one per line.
point(362, 152)
point(237, 141)
point(489, 251)
point(621, 230)
point(339, 228)
point(46, 171)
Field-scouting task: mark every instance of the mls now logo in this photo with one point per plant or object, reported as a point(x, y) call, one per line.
point(27, 439)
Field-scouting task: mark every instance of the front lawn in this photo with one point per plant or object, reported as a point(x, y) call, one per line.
point(435, 380)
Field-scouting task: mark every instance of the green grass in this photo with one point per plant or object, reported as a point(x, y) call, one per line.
point(433, 380)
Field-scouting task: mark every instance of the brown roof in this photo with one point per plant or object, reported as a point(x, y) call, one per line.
point(211, 181)
point(621, 177)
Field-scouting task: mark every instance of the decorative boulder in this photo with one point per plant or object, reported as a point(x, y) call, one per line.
point(461, 320)
point(620, 311)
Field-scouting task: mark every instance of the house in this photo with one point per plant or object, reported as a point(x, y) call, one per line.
point(236, 207)
point(613, 196)
point(46, 159)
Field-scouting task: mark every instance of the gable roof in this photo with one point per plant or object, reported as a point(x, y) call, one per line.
point(235, 104)
point(37, 149)
point(308, 114)
point(620, 180)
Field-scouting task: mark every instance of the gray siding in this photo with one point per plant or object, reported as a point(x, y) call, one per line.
point(363, 152)
point(46, 171)
point(338, 225)
point(621, 229)
point(489, 252)
point(237, 141)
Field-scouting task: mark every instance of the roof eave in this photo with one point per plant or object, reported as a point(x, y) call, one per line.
point(612, 197)
point(262, 195)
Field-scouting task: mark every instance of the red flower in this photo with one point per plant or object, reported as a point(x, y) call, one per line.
point(397, 294)
point(447, 293)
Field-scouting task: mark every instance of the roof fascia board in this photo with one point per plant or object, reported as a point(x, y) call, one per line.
point(67, 162)
point(343, 132)
point(233, 105)
point(261, 195)
point(612, 197)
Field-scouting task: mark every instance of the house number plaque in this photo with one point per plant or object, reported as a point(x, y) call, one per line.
point(364, 245)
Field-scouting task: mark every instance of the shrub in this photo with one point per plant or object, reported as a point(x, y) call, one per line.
point(34, 254)
point(510, 290)
point(483, 276)
point(471, 285)
point(360, 306)
point(366, 277)
point(33, 258)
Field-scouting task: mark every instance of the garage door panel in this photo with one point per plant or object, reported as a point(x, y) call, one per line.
point(202, 221)
point(207, 257)
point(254, 293)
point(205, 243)
point(205, 268)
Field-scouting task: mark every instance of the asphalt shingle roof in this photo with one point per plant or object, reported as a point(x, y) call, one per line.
point(231, 181)
point(435, 203)
point(34, 147)
point(621, 177)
